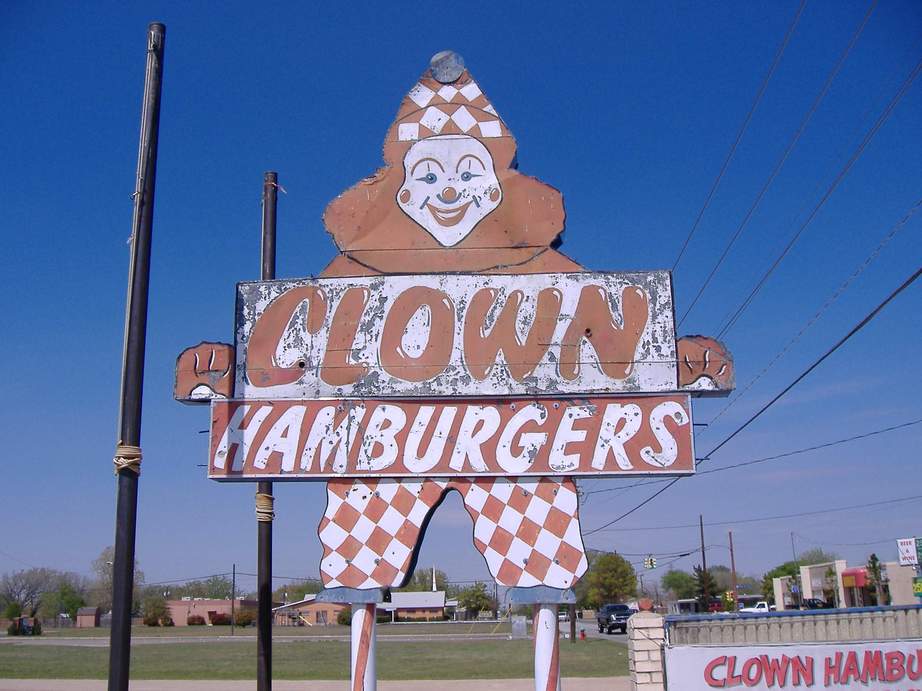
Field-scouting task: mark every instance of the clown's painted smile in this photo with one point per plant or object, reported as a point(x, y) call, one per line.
point(449, 217)
point(456, 171)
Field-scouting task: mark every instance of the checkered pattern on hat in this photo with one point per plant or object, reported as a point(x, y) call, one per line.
point(447, 109)
point(526, 529)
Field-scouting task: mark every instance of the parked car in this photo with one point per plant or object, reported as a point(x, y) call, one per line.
point(816, 603)
point(761, 607)
point(611, 617)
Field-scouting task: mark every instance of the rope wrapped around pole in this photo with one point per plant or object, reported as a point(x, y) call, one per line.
point(265, 507)
point(127, 457)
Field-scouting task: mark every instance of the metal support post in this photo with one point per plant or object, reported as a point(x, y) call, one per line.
point(547, 649)
point(363, 675)
point(264, 499)
point(128, 451)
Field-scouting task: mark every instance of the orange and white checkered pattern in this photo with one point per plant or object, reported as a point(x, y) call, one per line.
point(527, 529)
point(446, 109)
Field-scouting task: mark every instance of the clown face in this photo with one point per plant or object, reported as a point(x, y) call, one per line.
point(449, 186)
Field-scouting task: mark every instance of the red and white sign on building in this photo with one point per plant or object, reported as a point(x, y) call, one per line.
point(450, 346)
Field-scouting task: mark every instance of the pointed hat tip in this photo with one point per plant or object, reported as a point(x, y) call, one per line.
point(446, 66)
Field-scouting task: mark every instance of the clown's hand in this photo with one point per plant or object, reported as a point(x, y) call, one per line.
point(705, 366)
point(204, 372)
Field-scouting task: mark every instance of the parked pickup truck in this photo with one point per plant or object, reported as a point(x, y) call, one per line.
point(611, 617)
point(761, 607)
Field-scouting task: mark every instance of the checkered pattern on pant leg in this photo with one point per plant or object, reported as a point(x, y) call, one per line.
point(371, 527)
point(527, 529)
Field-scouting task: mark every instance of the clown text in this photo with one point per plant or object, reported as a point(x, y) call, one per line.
point(456, 335)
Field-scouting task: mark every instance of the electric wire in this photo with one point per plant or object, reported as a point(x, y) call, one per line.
point(784, 157)
point(800, 514)
point(816, 363)
point(884, 116)
point(742, 130)
point(786, 454)
point(896, 228)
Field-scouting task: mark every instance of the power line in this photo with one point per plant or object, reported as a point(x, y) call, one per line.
point(800, 514)
point(842, 341)
point(784, 157)
point(832, 187)
point(811, 448)
point(786, 454)
point(187, 580)
point(897, 227)
point(742, 130)
point(846, 544)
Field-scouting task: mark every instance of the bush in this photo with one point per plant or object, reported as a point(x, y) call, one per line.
point(245, 617)
point(219, 619)
point(12, 629)
point(166, 621)
point(195, 620)
point(344, 618)
point(151, 620)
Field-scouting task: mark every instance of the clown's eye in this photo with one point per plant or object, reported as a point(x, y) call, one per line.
point(466, 176)
point(428, 177)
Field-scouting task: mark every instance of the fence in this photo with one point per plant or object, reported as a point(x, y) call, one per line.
point(651, 636)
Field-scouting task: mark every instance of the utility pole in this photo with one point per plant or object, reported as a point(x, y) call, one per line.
point(797, 584)
point(233, 598)
point(704, 558)
point(733, 586)
point(265, 502)
point(128, 450)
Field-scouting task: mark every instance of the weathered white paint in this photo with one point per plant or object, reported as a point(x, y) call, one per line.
point(654, 361)
point(547, 649)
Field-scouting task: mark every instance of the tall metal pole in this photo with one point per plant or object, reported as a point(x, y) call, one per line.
point(733, 585)
point(128, 451)
point(233, 598)
point(704, 558)
point(264, 499)
point(797, 584)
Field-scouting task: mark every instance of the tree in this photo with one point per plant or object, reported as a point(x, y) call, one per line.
point(475, 599)
point(722, 577)
point(100, 593)
point(787, 569)
point(680, 584)
point(610, 578)
point(816, 555)
point(67, 595)
point(154, 610)
point(421, 581)
point(705, 588)
point(876, 578)
point(25, 589)
point(293, 592)
point(213, 588)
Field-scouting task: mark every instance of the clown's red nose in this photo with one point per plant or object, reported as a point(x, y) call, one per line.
point(449, 194)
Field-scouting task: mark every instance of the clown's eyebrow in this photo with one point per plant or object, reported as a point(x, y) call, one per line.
point(423, 160)
point(461, 160)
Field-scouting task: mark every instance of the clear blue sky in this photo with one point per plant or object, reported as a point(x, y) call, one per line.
point(628, 108)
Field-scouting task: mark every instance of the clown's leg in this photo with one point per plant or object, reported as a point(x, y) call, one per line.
point(527, 529)
point(371, 528)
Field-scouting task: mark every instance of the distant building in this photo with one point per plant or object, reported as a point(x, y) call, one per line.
point(181, 610)
point(839, 585)
point(87, 618)
point(416, 606)
point(307, 612)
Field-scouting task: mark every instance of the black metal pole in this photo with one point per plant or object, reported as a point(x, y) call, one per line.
point(233, 598)
point(264, 527)
point(129, 424)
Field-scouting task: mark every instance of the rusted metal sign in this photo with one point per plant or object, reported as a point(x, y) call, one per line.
point(399, 438)
point(456, 335)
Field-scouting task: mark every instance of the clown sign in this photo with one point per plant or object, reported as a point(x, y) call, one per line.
point(450, 346)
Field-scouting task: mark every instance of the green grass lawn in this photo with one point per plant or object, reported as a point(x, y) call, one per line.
point(500, 659)
point(422, 629)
